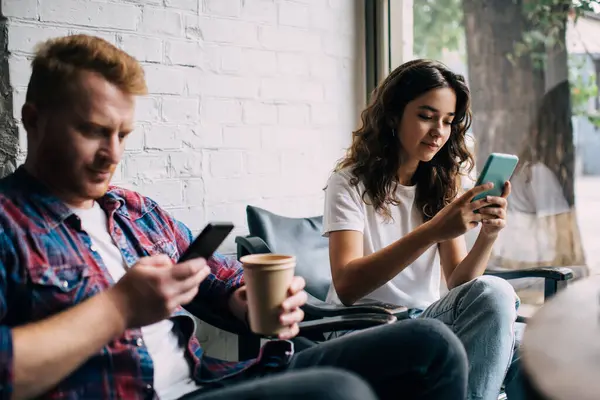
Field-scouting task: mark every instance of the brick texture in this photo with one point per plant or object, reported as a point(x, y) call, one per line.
point(251, 102)
point(239, 90)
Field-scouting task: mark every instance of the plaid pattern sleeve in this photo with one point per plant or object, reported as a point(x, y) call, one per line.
point(6, 349)
point(6, 342)
point(49, 264)
point(226, 272)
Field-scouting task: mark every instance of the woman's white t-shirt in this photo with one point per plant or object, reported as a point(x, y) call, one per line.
point(418, 285)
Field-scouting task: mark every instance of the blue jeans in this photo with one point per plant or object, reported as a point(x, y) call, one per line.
point(482, 313)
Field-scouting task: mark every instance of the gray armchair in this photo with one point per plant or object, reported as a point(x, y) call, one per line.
point(302, 237)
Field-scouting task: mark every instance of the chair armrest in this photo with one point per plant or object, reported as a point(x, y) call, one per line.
point(222, 320)
point(555, 273)
point(251, 245)
point(345, 322)
point(339, 322)
point(555, 278)
point(315, 308)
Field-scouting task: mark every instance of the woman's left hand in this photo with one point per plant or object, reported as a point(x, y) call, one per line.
point(494, 215)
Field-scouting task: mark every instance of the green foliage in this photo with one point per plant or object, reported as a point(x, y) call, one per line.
point(583, 88)
point(438, 27)
point(548, 18)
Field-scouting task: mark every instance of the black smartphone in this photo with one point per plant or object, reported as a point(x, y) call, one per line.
point(208, 241)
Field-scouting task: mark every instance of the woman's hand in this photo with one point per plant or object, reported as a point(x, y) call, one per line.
point(494, 215)
point(459, 216)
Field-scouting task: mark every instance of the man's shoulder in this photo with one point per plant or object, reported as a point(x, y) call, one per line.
point(134, 204)
point(9, 187)
point(16, 204)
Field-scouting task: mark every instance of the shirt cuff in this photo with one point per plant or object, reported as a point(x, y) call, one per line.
point(343, 226)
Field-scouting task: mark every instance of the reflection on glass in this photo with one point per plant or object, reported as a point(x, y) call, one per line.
point(525, 94)
point(542, 225)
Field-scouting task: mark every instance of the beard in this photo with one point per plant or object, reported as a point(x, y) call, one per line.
point(65, 174)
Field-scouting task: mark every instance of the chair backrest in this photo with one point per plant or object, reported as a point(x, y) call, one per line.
point(296, 236)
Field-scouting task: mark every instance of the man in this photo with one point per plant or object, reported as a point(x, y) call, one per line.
point(90, 296)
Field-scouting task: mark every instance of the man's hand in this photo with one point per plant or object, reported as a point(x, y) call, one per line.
point(47, 351)
point(155, 287)
point(291, 313)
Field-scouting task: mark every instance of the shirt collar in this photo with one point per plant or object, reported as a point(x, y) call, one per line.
point(48, 209)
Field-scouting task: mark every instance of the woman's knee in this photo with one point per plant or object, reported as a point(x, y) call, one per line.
point(495, 295)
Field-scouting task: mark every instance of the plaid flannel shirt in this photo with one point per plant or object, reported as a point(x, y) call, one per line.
point(48, 264)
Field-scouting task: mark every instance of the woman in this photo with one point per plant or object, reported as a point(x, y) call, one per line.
point(395, 220)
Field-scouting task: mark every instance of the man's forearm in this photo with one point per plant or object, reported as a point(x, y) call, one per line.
point(475, 263)
point(45, 352)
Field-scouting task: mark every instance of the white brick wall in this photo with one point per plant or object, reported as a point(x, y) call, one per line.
point(251, 102)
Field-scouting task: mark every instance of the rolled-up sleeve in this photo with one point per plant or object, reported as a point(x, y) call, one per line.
point(226, 272)
point(226, 276)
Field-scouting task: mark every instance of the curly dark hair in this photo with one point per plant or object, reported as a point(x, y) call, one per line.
point(374, 156)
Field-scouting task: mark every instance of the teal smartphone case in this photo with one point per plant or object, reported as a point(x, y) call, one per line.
point(498, 169)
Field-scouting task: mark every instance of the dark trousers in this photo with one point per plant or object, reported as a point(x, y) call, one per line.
point(412, 359)
point(320, 383)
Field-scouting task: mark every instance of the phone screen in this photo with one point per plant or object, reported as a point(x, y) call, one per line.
point(208, 241)
point(497, 169)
